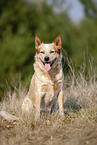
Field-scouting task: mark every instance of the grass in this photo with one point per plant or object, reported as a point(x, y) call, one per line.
point(78, 127)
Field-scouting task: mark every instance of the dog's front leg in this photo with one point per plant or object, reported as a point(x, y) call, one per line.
point(60, 103)
point(37, 106)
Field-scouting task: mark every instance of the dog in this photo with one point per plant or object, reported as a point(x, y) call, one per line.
point(46, 88)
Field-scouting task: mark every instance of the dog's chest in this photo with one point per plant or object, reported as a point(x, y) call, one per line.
point(49, 93)
point(49, 85)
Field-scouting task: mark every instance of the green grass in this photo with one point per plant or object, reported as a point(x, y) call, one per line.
point(78, 127)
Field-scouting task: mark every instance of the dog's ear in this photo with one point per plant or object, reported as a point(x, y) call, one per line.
point(37, 42)
point(57, 42)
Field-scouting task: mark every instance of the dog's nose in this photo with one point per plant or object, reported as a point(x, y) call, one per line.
point(46, 58)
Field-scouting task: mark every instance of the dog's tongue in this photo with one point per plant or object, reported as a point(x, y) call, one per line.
point(47, 66)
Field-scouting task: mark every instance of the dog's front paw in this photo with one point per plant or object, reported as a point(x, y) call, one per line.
point(62, 115)
point(37, 115)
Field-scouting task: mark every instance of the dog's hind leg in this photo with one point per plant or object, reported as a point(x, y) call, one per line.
point(27, 105)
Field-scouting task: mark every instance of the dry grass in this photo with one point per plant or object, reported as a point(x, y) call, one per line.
point(78, 127)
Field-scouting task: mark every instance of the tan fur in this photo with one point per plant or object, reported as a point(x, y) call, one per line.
point(46, 86)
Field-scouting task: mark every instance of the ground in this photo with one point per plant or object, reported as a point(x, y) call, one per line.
point(49, 130)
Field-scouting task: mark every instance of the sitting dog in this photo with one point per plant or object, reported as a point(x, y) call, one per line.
point(46, 88)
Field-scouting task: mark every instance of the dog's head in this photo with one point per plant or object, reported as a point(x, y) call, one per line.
point(48, 54)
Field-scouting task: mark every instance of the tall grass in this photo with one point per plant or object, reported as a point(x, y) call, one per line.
point(79, 126)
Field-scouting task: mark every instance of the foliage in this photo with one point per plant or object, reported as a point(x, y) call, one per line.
point(21, 20)
point(88, 28)
point(90, 8)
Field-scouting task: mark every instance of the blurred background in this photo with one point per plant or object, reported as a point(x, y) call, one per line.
point(21, 20)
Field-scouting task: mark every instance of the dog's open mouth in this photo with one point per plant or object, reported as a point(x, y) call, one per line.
point(48, 64)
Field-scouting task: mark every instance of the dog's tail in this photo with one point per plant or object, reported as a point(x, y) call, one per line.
point(8, 116)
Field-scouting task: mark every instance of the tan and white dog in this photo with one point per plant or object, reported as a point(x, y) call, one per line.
point(46, 86)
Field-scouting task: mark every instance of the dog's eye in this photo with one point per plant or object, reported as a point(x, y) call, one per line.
point(52, 51)
point(42, 52)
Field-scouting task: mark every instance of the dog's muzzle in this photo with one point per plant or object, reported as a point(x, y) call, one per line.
point(47, 64)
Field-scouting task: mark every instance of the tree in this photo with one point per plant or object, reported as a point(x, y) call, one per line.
point(90, 7)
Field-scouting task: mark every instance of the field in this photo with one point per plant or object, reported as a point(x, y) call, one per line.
point(78, 127)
